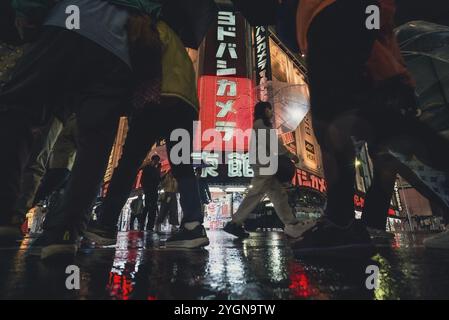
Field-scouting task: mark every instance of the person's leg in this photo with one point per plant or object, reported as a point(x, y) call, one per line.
point(138, 142)
point(338, 155)
point(173, 210)
point(151, 197)
point(260, 186)
point(35, 170)
point(163, 212)
point(179, 115)
point(133, 219)
point(183, 172)
point(36, 83)
point(278, 196)
point(332, 89)
point(102, 84)
point(95, 145)
point(378, 197)
point(143, 217)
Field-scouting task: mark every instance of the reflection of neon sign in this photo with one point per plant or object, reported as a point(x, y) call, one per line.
point(299, 283)
point(119, 286)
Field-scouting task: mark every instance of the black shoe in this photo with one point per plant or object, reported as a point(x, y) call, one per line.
point(236, 230)
point(101, 236)
point(60, 243)
point(185, 238)
point(327, 236)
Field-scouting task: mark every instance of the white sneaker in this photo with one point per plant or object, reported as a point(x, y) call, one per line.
point(439, 241)
point(297, 230)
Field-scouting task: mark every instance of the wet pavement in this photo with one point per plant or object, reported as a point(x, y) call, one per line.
point(261, 267)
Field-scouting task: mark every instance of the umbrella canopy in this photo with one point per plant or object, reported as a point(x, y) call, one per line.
point(190, 19)
point(290, 101)
point(425, 47)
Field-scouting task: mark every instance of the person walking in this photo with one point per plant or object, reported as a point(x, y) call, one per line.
point(266, 184)
point(162, 106)
point(205, 195)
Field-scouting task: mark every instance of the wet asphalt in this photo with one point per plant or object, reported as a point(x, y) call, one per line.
point(263, 266)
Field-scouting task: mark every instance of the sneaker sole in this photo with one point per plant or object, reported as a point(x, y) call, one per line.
point(58, 250)
point(189, 244)
point(99, 240)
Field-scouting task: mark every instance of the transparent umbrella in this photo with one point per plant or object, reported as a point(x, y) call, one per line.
point(425, 47)
point(290, 101)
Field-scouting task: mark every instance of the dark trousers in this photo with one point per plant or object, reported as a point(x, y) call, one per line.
point(62, 65)
point(339, 46)
point(169, 207)
point(154, 122)
point(150, 210)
